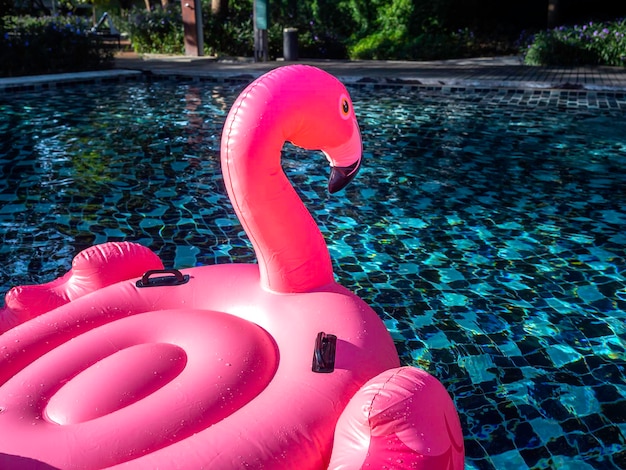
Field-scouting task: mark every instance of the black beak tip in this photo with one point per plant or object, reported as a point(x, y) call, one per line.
point(340, 176)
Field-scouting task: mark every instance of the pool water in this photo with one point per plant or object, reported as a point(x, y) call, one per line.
point(487, 228)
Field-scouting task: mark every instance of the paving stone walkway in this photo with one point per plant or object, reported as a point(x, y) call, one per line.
point(493, 72)
point(480, 72)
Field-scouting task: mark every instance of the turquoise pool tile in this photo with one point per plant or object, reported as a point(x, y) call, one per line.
point(509, 459)
point(486, 228)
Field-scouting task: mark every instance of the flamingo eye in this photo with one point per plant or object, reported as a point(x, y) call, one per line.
point(344, 107)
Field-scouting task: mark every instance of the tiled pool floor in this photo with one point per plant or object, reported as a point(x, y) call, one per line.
point(486, 229)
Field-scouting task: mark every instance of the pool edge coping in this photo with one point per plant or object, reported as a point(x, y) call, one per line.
point(51, 81)
point(42, 82)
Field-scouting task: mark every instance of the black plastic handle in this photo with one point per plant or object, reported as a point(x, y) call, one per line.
point(163, 277)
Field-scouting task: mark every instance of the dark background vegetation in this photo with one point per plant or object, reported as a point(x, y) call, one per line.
point(576, 31)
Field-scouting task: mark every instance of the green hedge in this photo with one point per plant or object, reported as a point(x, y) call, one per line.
point(38, 45)
point(230, 34)
point(161, 31)
point(158, 31)
point(588, 44)
point(437, 45)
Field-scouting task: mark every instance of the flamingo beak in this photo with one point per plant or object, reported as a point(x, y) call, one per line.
point(340, 176)
point(345, 160)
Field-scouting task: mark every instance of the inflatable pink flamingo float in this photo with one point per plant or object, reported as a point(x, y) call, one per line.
point(123, 364)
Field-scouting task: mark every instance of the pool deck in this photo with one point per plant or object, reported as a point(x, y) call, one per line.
point(506, 72)
point(493, 72)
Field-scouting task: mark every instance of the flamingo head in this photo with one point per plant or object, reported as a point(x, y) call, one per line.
point(325, 120)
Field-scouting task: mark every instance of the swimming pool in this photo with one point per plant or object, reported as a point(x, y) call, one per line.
point(487, 228)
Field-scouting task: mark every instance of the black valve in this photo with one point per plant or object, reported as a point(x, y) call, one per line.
point(324, 353)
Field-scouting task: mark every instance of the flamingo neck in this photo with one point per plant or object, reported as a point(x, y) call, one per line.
point(291, 251)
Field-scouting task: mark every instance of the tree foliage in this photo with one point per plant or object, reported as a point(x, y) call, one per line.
point(361, 29)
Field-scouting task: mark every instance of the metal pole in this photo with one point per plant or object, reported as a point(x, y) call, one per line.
point(259, 11)
point(199, 28)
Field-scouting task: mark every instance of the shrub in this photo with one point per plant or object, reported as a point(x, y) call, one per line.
point(230, 35)
point(410, 30)
point(157, 31)
point(589, 44)
point(432, 45)
point(37, 45)
point(379, 45)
